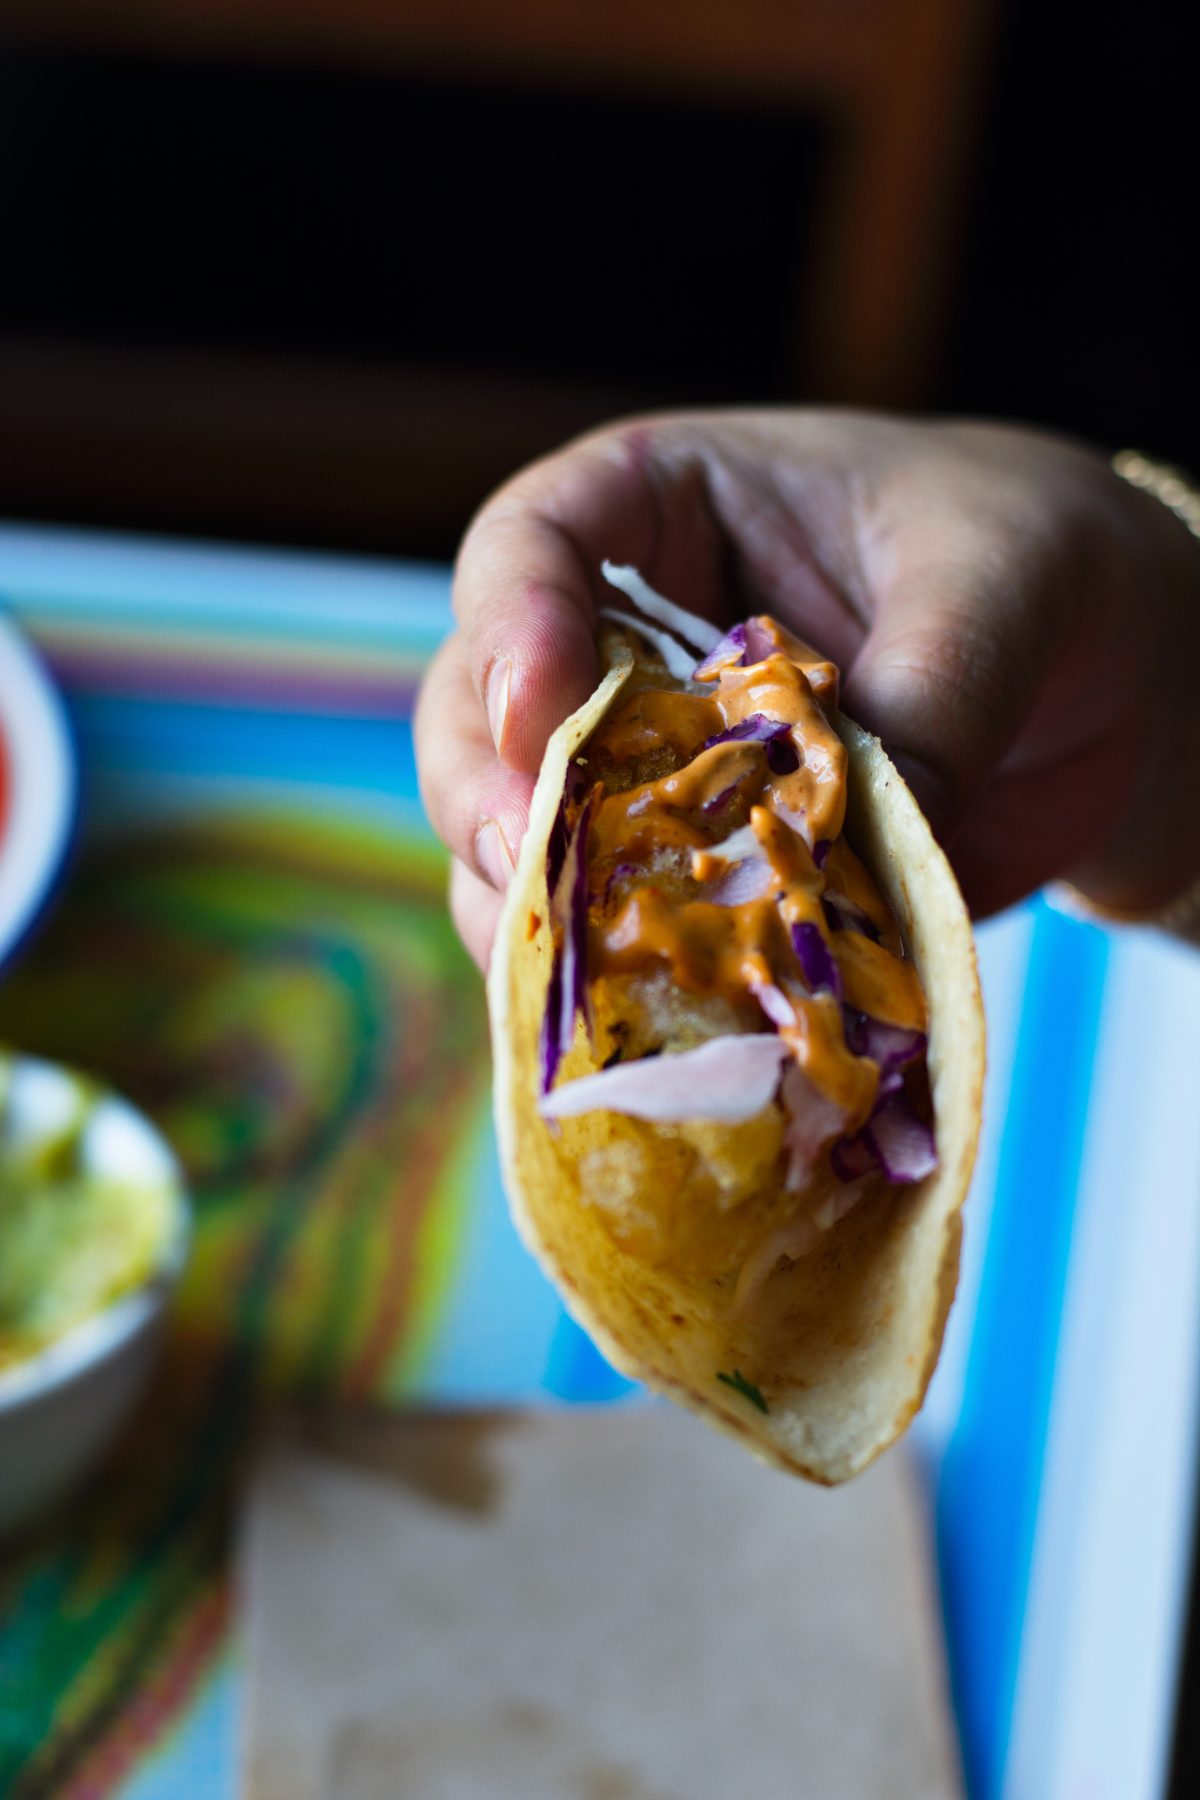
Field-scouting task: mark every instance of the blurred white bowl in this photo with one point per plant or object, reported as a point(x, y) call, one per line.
point(38, 788)
point(60, 1407)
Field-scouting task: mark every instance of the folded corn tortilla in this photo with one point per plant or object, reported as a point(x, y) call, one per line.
point(831, 1361)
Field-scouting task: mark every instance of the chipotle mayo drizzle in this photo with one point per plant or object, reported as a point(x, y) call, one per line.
point(655, 889)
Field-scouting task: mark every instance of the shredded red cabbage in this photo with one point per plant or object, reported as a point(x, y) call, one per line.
point(744, 642)
point(757, 729)
point(782, 755)
point(891, 1081)
point(717, 801)
point(729, 653)
point(816, 960)
point(854, 1156)
point(574, 909)
point(891, 1046)
point(556, 849)
point(903, 1142)
point(550, 1042)
point(894, 1141)
point(567, 992)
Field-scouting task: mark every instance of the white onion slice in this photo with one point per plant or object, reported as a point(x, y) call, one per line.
point(680, 662)
point(753, 879)
point(691, 629)
point(736, 847)
point(793, 1240)
point(843, 1199)
point(728, 1078)
point(775, 1005)
point(797, 820)
point(799, 1237)
point(812, 1122)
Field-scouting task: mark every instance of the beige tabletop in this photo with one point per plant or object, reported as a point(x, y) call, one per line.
point(594, 1605)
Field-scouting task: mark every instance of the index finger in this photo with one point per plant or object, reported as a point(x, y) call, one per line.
point(523, 595)
point(526, 586)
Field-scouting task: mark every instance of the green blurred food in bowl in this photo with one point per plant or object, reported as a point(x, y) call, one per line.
point(93, 1236)
point(72, 1238)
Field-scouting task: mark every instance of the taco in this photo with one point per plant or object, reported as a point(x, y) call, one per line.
point(738, 1040)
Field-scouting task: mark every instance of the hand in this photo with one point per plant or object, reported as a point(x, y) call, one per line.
point(1020, 627)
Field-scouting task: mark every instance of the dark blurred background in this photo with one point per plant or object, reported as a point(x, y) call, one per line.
point(324, 271)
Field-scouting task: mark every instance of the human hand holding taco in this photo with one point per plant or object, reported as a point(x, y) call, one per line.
point(1018, 626)
point(698, 1104)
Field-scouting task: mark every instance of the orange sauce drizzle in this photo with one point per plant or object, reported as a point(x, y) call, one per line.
point(651, 873)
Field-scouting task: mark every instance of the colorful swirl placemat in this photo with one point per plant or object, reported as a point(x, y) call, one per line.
point(253, 945)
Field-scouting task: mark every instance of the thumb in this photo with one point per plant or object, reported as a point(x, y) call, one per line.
point(947, 677)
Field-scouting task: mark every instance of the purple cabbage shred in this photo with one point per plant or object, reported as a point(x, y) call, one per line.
point(744, 642)
point(556, 849)
point(757, 729)
point(550, 1043)
point(717, 801)
point(566, 994)
point(894, 1141)
point(782, 756)
point(891, 1046)
point(853, 1156)
point(816, 960)
point(730, 652)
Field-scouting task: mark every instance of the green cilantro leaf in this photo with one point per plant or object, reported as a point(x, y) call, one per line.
point(746, 1388)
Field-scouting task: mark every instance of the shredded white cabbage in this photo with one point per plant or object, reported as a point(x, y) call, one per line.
point(680, 662)
point(688, 626)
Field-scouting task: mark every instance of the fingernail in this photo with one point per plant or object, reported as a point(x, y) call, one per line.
point(493, 855)
point(496, 692)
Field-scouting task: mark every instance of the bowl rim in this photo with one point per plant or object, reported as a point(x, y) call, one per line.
point(102, 1334)
point(35, 730)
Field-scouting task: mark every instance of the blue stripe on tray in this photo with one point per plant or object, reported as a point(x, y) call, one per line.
point(576, 1371)
point(201, 1756)
point(989, 1482)
point(500, 1316)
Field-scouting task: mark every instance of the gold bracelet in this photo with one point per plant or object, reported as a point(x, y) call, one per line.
point(1175, 490)
point(1169, 485)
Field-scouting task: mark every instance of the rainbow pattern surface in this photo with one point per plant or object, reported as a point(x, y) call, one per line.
point(253, 945)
